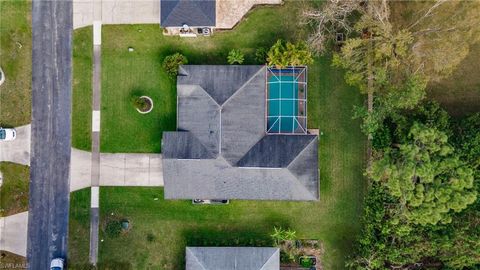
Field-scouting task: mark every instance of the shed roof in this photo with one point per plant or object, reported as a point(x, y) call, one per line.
point(232, 258)
point(176, 13)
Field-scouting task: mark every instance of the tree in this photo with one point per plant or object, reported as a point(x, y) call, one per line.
point(335, 16)
point(235, 57)
point(443, 32)
point(283, 54)
point(427, 176)
point(172, 62)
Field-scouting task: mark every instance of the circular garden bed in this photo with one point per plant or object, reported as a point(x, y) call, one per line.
point(143, 104)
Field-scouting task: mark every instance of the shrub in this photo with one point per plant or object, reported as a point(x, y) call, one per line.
point(261, 55)
point(235, 57)
point(113, 228)
point(283, 54)
point(151, 237)
point(172, 62)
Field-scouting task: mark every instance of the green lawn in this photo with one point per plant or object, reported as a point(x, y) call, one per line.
point(14, 190)
point(15, 60)
point(82, 89)
point(124, 72)
point(161, 229)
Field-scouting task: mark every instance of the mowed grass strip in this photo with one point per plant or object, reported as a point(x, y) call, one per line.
point(82, 89)
point(16, 62)
point(14, 189)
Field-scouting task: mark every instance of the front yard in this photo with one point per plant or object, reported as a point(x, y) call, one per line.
point(160, 230)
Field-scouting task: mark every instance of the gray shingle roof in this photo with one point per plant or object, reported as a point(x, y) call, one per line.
point(176, 13)
point(275, 151)
point(184, 145)
point(232, 258)
point(232, 157)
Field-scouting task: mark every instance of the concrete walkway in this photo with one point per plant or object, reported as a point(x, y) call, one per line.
point(121, 169)
point(115, 12)
point(18, 150)
point(115, 170)
point(13, 233)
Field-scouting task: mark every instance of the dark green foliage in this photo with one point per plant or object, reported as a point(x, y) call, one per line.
point(235, 57)
point(382, 138)
point(427, 176)
point(468, 139)
point(261, 55)
point(113, 228)
point(306, 262)
point(172, 62)
point(151, 237)
point(423, 213)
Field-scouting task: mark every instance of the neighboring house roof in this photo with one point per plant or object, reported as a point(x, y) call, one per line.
point(232, 258)
point(176, 13)
point(221, 149)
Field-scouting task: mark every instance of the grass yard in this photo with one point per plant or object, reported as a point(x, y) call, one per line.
point(160, 230)
point(140, 71)
point(82, 88)
point(14, 190)
point(460, 93)
point(15, 60)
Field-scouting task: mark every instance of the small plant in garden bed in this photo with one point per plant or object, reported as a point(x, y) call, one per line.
point(307, 261)
point(142, 103)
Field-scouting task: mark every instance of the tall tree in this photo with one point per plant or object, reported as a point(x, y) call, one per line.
point(443, 32)
point(427, 176)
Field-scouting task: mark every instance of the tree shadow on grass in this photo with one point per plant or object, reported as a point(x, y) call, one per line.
point(248, 235)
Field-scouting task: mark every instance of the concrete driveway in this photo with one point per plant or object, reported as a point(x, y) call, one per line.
point(119, 169)
point(13, 233)
point(115, 170)
point(116, 12)
point(18, 150)
point(122, 169)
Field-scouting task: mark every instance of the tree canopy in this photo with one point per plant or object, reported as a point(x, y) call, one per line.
point(283, 54)
point(427, 177)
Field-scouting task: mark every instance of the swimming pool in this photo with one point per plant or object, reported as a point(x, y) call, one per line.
point(286, 103)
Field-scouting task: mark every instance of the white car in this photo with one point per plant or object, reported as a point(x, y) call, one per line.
point(57, 264)
point(7, 134)
point(2, 76)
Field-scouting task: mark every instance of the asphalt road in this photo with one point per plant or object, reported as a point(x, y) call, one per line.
point(51, 124)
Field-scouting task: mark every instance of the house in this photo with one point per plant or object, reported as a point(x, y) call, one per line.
point(241, 134)
point(189, 18)
point(232, 258)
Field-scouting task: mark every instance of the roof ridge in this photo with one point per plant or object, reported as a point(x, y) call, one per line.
point(242, 86)
point(170, 13)
point(303, 150)
point(210, 96)
point(313, 197)
point(203, 145)
point(196, 259)
point(271, 256)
